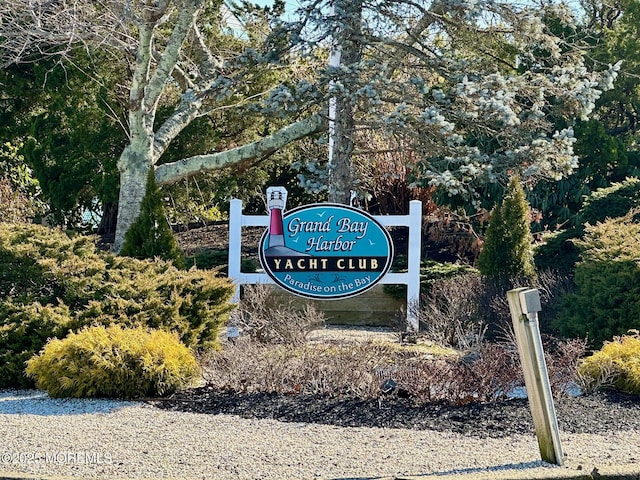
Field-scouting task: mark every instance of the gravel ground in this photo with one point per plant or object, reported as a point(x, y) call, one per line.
point(115, 440)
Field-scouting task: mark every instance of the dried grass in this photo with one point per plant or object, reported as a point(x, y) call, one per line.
point(274, 355)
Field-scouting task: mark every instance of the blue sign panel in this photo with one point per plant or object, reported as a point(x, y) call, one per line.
point(324, 251)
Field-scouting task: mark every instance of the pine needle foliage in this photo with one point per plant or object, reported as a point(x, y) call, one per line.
point(507, 252)
point(559, 250)
point(150, 235)
point(114, 362)
point(611, 202)
point(51, 283)
point(606, 302)
point(24, 329)
point(616, 364)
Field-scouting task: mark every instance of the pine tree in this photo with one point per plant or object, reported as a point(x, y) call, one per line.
point(150, 236)
point(507, 251)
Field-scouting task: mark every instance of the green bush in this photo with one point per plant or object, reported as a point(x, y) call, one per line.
point(51, 283)
point(431, 272)
point(19, 191)
point(559, 251)
point(611, 202)
point(507, 251)
point(150, 235)
point(114, 362)
point(24, 329)
point(14, 206)
point(616, 364)
point(606, 302)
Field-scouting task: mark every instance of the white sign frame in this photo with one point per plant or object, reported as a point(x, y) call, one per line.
point(410, 278)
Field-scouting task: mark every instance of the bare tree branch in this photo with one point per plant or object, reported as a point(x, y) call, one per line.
point(32, 29)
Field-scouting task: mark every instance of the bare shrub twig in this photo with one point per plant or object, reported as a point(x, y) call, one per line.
point(265, 320)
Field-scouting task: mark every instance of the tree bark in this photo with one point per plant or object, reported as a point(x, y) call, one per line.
point(147, 86)
point(134, 168)
point(343, 128)
point(109, 219)
point(172, 172)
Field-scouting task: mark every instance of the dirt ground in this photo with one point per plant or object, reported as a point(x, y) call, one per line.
point(216, 237)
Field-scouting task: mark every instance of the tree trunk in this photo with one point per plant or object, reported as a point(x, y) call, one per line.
point(347, 44)
point(147, 86)
point(134, 167)
point(341, 178)
point(109, 219)
point(146, 146)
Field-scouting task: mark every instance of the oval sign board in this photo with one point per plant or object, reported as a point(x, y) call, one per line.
point(325, 251)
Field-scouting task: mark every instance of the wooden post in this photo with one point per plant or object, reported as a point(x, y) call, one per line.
point(524, 305)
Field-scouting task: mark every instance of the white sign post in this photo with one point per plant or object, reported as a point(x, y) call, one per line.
point(524, 304)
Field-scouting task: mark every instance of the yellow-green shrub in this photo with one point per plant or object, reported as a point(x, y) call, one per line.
point(114, 362)
point(606, 302)
point(617, 364)
point(52, 283)
point(24, 330)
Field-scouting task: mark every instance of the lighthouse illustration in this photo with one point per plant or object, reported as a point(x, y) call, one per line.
point(276, 201)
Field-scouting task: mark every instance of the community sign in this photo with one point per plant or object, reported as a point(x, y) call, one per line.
point(323, 251)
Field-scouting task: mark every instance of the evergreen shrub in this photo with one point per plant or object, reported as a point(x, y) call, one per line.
point(616, 364)
point(14, 205)
point(508, 251)
point(24, 329)
point(431, 273)
point(19, 190)
point(559, 250)
point(150, 235)
point(611, 202)
point(51, 283)
point(606, 302)
point(114, 362)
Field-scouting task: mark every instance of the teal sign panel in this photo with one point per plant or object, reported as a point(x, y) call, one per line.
point(325, 251)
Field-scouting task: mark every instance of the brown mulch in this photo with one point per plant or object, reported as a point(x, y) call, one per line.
point(598, 413)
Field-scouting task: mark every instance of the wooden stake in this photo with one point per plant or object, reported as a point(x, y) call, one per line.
point(524, 304)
